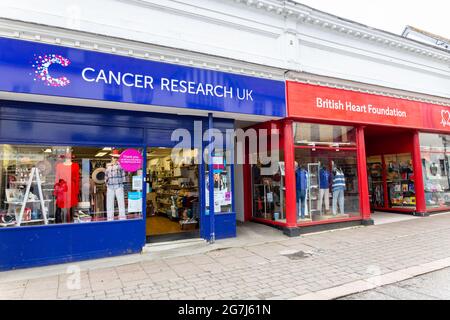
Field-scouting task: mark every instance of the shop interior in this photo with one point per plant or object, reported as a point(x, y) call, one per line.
point(390, 169)
point(62, 184)
point(173, 206)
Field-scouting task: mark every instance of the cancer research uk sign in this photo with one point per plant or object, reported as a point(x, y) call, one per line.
point(35, 68)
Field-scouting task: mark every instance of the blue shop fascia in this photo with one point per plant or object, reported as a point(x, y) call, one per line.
point(87, 165)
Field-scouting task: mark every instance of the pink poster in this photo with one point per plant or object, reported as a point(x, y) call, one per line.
point(131, 160)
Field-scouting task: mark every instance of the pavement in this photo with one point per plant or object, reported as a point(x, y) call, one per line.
point(260, 264)
point(431, 286)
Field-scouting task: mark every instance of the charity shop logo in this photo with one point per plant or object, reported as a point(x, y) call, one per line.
point(445, 121)
point(41, 65)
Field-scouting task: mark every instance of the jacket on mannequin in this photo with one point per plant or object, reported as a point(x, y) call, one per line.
point(70, 174)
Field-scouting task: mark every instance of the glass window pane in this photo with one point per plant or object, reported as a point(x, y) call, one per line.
point(375, 179)
point(400, 181)
point(324, 135)
point(268, 185)
point(62, 184)
point(435, 168)
point(223, 196)
point(326, 184)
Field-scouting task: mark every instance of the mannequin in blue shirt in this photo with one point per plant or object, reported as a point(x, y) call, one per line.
point(324, 192)
point(301, 183)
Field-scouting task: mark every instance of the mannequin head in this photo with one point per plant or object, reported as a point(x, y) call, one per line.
point(115, 156)
point(68, 156)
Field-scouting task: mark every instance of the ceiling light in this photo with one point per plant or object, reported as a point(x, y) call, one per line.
point(101, 154)
point(48, 150)
point(107, 149)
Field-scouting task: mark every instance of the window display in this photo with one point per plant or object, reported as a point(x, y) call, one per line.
point(62, 184)
point(269, 192)
point(326, 172)
point(391, 176)
point(400, 181)
point(435, 168)
point(327, 184)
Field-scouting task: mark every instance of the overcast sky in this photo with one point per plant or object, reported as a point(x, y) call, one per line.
point(391, 15)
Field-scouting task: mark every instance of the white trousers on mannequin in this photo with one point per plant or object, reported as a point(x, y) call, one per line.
point(324, 193)
point(112, 193)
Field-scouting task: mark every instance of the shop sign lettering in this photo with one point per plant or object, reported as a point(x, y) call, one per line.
point(44, 69)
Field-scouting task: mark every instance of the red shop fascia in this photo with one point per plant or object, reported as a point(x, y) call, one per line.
point(384, 125)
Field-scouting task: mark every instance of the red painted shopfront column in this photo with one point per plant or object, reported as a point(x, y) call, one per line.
point(421, 207)
point(364, 203)
point(289, 159)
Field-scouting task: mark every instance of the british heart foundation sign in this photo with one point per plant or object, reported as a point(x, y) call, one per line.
point(323, 103)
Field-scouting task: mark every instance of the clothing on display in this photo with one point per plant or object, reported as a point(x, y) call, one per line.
point(338, 198)
point(115, 178)
point(324, 197)
point(324, 178)
point(301, 179)
point(301, 202)
point(72, 190)
point(324, 192)
point(114, 175)
point(69, 172)
point(339, 188)
point(111, 194)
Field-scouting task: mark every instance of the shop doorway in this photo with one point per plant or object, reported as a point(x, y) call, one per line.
point(390, 169)
point(173, 195)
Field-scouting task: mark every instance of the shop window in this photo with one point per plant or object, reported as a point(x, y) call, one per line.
point(268, 187)
point(435, 167)
point(326, 184)
point(307, 134)
point(400, 181)
point(42, 185)
point(326, 172)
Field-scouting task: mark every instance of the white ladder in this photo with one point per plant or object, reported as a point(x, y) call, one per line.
point(34, 172)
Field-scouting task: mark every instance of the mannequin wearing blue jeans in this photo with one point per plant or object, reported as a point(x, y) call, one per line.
point(339, 188)
point(301, 180)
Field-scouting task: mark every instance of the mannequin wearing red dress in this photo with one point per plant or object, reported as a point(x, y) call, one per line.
point(69, 173)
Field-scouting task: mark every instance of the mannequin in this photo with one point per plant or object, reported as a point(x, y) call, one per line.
point(324, 192)
point(115, 178)
point(301, 181)
point(67, 186)
point(339, 188)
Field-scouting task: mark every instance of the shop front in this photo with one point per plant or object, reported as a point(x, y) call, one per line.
point(345, 154)
point(100, 153)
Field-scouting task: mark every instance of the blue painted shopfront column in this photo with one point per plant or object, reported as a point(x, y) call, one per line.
point(212, 237)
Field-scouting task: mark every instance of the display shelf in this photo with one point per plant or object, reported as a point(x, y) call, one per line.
point(8, 224)
point(29, 201)
point(36, 220)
